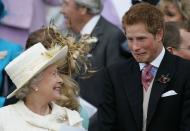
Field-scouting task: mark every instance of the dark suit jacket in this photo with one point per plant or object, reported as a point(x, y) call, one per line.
point(107, 50)
point(122, 105)
point(104, 53)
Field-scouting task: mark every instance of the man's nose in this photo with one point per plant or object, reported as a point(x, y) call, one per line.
point(135, 45)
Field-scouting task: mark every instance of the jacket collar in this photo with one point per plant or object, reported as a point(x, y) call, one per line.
point(156, 62)
point(53, 121)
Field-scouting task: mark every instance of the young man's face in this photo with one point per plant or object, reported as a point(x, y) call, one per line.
point(144, 46)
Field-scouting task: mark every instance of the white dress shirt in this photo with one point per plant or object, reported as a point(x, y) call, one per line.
point(90, 25)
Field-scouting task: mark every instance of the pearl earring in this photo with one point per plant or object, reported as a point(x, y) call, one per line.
point(36, 89)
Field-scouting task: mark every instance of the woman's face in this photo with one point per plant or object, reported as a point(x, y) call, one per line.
point(171, 13)
point(50, 83)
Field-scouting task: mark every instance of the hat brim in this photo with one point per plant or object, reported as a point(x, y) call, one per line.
point(61, 55)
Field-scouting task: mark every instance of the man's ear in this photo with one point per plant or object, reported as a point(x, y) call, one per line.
point(160, 35)
point(170, 49)
point(83, 10)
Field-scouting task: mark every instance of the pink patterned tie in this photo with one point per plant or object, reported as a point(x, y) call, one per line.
point(147, 76)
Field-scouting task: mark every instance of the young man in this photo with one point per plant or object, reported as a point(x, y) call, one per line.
point(149, 92)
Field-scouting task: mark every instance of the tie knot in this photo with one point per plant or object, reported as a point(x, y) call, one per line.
point(147, 71)
point(147, 67)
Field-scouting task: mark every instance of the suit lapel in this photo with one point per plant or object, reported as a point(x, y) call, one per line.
point(167, 69)
point(97, 32)
point(99, 28)
point(133, 89)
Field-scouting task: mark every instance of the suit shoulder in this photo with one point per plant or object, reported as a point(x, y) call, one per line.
point(180, 65)
point(111, 27)
point(182, 62)
point(125, 64)
point(184, 65)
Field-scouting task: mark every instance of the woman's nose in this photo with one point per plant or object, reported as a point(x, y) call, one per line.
point(60, 80)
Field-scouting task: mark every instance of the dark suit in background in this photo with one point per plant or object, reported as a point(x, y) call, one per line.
point(86, 19)
point(105, 52)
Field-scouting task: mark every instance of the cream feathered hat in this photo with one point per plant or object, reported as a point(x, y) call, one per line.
point(31, 62)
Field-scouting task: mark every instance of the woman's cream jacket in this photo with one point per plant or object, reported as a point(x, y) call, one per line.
point(18, 117)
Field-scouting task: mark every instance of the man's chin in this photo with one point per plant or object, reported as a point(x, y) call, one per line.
point(140, 60)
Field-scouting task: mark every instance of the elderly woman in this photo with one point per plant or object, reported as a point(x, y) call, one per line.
point(49, 36)
point(38, 85)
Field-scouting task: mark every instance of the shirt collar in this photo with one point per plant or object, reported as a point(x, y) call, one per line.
point(156, 62)
point(89, 26)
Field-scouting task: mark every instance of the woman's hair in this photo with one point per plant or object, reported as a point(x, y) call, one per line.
point(76, 60)
point(44, 35)
point(26, 89)
point(69, 89)
point(183, 7)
